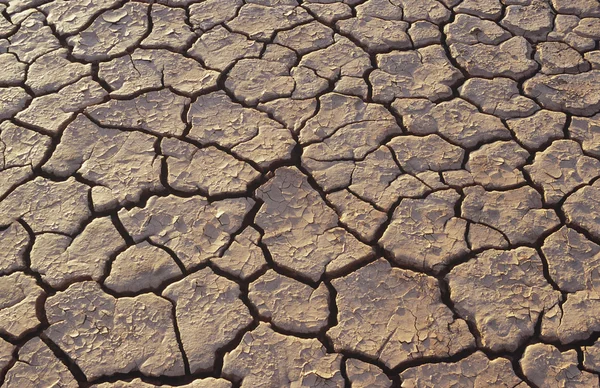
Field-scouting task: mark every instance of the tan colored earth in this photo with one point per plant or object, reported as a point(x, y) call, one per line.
point(299, 193)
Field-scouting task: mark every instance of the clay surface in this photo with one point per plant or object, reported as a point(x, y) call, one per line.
point(300, 193)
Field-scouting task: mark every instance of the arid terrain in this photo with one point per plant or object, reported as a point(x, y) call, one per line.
point(299, 193)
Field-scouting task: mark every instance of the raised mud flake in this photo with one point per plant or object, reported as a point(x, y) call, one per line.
point(422, 73)
point(293, 113)
point(498, 96)
point(219, 48)
point(473, 371)
point(216, 119)
point(379, 180)
point(13, 73)
point(536, 130)
point(346, 127)
point(565, 31)
point(353, 86)
point(52, 111)
point(456, 120)
point(260, 22)
point(19, 298)
point(364, 375)
point(511, 59)
point(112, 33)
point(158, 112)
point(104, 335)
point(546, 366)
point(140, 267)
point(39, 201)
point(425, 234)
point(244, 258)
point(7, 28)
point(573, 260)
point(191, 168)
point(209, 13)
point(591, 357)
point(14, 241)
point(289, 304)
point(483, 237)
point(377, 34)
point(417, 154)
point(250, 134)
point(306, 37)
point(431, 10)
point(209, 315)
point(572, 93)
point(123, 164)
point(575, 320)
point(37, 366)
point(6, 355)
point(343, 58)
point(308, 84)
point(423, 33)
point(268, 359)
point(586, 130)
point(558, 57)
point(358, 215)
point(61, 259)
point(21, 151)
point(561, 168)
point(32, 39)
point(402, 316)
point(169, 28)
point(12, 100)
point(343, 143)
point(69, 17)
point(155, 68)
point(53, 70)
point(469, 29)
point(533, 20)
point(485, 9)
point(209, 382)
point(329, 13)
point(516, 213)
point(192, 228)
point(584, 8)
point(301, 231)
point(497, 165)
point(258, 80)
point(503, 293)
point(582, 208)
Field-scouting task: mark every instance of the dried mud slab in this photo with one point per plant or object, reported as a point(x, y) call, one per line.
point(474, 371)
point(397, 308)
point(503, 293)
point(209, 315)
point(362, 375)
point(269, 359)
point(61, 259)
point(192, 228)
point(300, 231)
point(105, 335)
point(546, 366)
point(445, 240)
point(38, 366)
point(289, 304)
point(18, 304)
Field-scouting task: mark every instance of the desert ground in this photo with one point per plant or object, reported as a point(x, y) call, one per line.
point(299, 193)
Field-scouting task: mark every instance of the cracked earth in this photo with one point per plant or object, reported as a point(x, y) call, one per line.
point(299, 193)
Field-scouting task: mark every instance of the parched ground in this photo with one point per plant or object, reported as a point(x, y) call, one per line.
point(299, 193)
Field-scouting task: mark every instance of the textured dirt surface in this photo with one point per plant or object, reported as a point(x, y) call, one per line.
point(299, 193)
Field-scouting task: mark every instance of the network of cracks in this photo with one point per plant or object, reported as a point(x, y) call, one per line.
point(299, 193)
